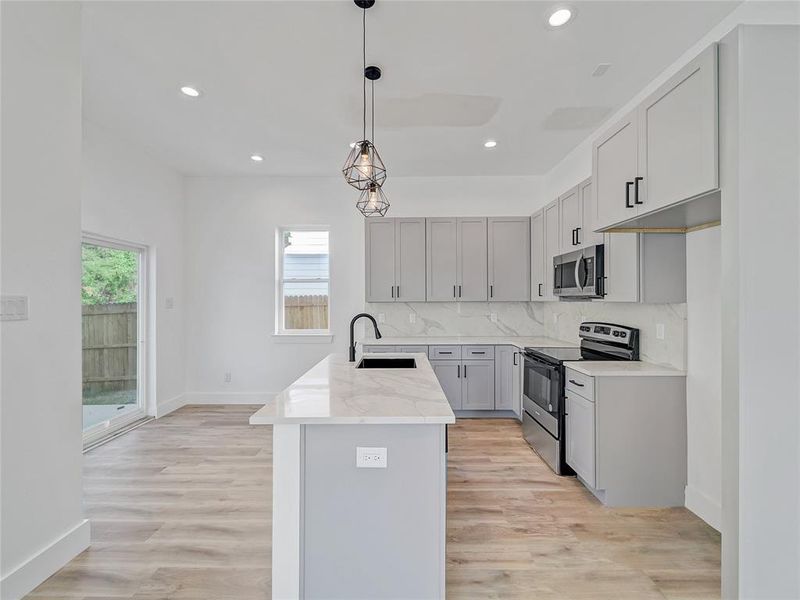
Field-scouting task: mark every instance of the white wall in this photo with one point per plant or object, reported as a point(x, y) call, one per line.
point(128, 196)
point(704, 375)
point(40, 505)
point(230, 257)
point(760, 154)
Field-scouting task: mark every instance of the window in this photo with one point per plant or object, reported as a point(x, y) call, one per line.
point(303, 303)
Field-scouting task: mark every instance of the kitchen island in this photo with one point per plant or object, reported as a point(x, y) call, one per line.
point(359, 481)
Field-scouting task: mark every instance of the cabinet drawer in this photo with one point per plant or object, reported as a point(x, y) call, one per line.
point(379, 349)
point(444, 352)
point(414, 349)
point(580, 384)
point(477, 352)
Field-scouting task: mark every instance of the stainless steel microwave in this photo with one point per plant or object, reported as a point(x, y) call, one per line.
point(580, 274)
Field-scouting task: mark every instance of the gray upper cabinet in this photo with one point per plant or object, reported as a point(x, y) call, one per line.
point(395, 260)
point(614, 168)
point(380, 249)
point(472, 259)
point(509, 259)
point(571, 219)
point(477, 384)
point(457, 261)
point(586, 235)
point(442, 240)
point(537, 256)
point(678, 140)
point(664, 152)
point(552, 246)
point(410, 260)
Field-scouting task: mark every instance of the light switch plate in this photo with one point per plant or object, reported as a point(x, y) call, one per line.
point(370, 458)
point(13, 308)
point(660, 331)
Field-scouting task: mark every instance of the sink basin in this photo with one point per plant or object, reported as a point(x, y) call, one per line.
point(387, 363)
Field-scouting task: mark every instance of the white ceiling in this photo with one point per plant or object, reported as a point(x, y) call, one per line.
point(283, 79)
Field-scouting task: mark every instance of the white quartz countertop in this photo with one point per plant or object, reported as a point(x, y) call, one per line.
point(622, 368)
point(334, 392)
point(512, 340)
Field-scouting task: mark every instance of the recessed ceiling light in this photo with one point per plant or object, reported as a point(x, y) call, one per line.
point(560, 17)
point(256, 157)
point(489, 144)
point(190, 91)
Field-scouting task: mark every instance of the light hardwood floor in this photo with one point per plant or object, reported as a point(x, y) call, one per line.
point(180, 508)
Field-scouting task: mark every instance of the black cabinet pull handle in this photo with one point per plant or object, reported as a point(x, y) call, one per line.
point(476, 352)
point(540, 289)
point(572, 381)
point(459, 291)
point(392, 291)
point(636, 190)
point(573, 237)
point(398, 291)
point(577, 236)
point(628, 185)
point(454, 291)
point(491, 291)
point(465, 371)
point(458, 367)
point(443, 352)
point(515, 358)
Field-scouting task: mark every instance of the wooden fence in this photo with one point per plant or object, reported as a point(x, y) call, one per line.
point(109, 347)
point(306, 312)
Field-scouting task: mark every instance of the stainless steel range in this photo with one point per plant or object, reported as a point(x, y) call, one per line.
point(543, 390)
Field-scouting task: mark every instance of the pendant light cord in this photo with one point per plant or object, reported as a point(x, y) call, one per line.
point(373, 111)
point(363, 72)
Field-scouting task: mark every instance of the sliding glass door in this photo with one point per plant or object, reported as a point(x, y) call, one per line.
point(112, 302)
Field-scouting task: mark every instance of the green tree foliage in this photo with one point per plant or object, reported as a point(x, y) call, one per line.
point(109, 275)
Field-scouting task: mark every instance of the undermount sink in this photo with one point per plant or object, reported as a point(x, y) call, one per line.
point(387, 363)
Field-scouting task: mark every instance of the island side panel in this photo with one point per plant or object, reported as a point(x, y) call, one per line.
point(370, 532)
point(287, 470)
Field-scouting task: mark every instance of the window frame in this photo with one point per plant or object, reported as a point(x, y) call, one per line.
point(315, 335)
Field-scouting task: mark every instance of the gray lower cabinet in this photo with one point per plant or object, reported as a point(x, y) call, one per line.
point(477, 384)
point(626, 437)
point(448, 372)
point(507, 379)
point(580, 437)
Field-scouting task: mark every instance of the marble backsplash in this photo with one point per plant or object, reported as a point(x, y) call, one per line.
point(558, 320)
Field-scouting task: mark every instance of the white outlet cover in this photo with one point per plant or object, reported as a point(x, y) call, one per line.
point(370, 458)
point(660, 331)
point(14, 308)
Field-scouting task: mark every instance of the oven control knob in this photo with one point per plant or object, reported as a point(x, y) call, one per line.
point(623, 334)
point(616, 334)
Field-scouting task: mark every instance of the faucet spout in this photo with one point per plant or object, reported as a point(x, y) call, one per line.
point(352, 349)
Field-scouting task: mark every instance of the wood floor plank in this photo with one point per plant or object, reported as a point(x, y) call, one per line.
point(181, 509)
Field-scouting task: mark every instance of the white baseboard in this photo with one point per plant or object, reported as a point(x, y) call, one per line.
point(228, 397)
point(42, 565)
point(704, 507)
point(164, 408)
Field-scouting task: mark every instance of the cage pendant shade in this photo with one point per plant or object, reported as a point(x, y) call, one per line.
point(373, 202)
point(364, 166)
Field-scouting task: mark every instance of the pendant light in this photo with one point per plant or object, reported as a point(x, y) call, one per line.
point(373, 202)
point(364, 168)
